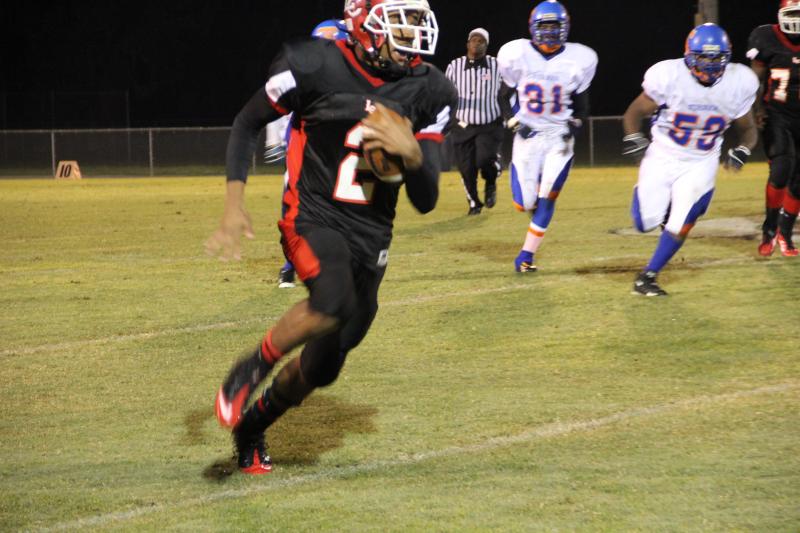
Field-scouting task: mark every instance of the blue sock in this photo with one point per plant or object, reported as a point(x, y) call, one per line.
point(668, 245)
point(544, 212)
point(288, 265)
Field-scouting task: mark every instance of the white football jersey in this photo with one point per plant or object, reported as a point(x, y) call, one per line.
point(545, 86)
point(693, 118)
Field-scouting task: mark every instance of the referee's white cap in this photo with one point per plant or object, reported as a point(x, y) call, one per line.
point(479, 31)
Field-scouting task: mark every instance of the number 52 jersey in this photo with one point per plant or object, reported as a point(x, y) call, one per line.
point(692, 118)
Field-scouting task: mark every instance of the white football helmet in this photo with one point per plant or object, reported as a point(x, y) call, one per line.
point(789, 17)
point(372, 22)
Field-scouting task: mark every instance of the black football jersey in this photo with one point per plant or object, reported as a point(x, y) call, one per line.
point(329, 92)
point(769, 45)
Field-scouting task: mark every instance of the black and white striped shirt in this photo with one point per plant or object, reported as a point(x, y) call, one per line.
point(478, 83)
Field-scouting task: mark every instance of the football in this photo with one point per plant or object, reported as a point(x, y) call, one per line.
point(387, 167)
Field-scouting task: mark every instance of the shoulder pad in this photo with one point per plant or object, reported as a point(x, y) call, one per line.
point(306, 55)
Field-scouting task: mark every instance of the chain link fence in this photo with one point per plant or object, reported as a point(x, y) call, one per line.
point(201, 151)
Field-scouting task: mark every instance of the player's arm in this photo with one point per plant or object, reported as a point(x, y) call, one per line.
point(420, 154)
point(450, 73)
point(421, 158)
point(242, 144)
point(277, 98)
point(504, 99)
point(634, 143)
point(243, 140)
point(422, 184)
point(580, 113)
point(748, 137)
point(762, 72)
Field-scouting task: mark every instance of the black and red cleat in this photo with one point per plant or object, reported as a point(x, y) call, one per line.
point(252, 455)
point(767, 246)
point(242, 380)
point(788, 248)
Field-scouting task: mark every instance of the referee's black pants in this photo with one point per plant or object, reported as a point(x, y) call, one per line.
point(477, 149)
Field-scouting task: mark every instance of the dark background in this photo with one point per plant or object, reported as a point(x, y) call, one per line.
point(194, 63)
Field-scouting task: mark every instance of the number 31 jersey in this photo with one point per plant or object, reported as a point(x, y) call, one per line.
point(545, 85)
point(692, 118)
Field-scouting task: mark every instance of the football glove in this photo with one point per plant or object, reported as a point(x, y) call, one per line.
point(737, 157)
point(519, 128)
point(274, 153)
point(634, 145)
point(513, 124)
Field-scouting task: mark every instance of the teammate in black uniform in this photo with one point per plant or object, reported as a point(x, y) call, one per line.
point(338, 222)
point(774, 52)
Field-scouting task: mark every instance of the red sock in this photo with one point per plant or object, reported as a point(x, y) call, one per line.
point(268, 350)
point(774, 197)
point(791, 204)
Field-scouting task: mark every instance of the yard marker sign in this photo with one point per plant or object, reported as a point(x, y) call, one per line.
point(68, 170)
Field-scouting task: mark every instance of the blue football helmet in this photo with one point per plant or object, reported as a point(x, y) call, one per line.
point(332, 29)
point(551, 37)
point(708, 52)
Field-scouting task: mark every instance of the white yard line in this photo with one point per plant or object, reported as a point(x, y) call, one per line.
point(61, 346)
point(546, 431)
point(69, 345)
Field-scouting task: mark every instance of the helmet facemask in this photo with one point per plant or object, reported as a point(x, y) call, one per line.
point(789, 20)
point(409, 26)
point(549, 35)
point(709, 65)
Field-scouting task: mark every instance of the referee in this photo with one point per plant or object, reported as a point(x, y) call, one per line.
point(479, 134)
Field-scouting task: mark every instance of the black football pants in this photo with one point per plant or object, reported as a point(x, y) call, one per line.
point(477, 150)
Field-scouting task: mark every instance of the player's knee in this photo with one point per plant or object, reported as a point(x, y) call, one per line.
point(347, 307)
point(490, 171)
point(335, 305)
point(642, 223)
point(643, 226)
point(646, 224)
point(322, 367)
point(488, 164)
point(794, 187)
point(679, 231)
point(781, 169)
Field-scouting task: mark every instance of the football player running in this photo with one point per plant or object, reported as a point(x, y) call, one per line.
point(338, 227)
point(694, 99)
point(774, 53)
point(550, 79)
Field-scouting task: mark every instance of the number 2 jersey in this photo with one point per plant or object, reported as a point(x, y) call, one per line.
point(545, 84)
point(692, 118)
point(770, 46)
point(330, 92)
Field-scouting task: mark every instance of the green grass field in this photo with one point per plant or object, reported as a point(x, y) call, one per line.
point(480, 400)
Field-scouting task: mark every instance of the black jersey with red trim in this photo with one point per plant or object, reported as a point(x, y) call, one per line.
point(770, 46)
point(329, 92)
